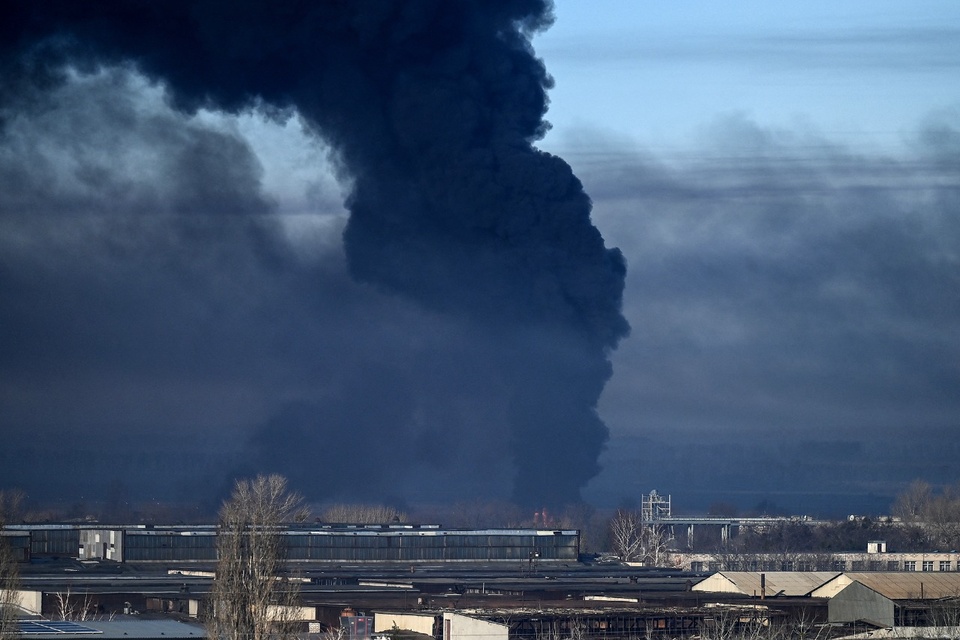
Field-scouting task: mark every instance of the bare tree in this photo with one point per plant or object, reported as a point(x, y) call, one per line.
point(9, 571)
point(653, 544)
point(634, 539)
point(11, 505)
point(626, 534)
point(938, 514)
point(77, 609)
point(551, 629)
point(334, 633)
point(577, 630)
point(251, 599)
point(362, 514)
point(945, 616)
point(739, 622)
point(943, 518)
point(911, 504)
point(9, 592)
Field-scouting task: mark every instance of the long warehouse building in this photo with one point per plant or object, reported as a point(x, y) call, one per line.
point(317, 543)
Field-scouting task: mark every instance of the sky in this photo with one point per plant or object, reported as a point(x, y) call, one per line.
point(782, 182)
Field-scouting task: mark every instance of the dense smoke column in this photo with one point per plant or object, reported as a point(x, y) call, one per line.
point(432, 107)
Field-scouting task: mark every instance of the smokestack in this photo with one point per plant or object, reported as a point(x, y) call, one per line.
point(432, 110)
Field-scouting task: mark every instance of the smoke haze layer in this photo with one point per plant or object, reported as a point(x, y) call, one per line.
point(461, 228)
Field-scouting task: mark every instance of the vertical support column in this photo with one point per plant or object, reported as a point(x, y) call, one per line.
point(724, 534)
point(690, 535)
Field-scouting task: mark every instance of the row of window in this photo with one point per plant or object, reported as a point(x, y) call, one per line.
point(927, 565)
point(156, 545)
point(455, 541)
point(834, 565)
point(356, 554)
point(162, 542)
point(303, 545)
point(170, 554)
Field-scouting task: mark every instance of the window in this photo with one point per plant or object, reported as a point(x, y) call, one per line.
point(696, 566)
point(909, 565)
point(944, 565)
point(928, 565)
point(839, 565)
point(893, 565)
point(856, 565)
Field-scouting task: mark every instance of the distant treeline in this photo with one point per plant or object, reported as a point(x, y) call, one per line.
point(922, 519)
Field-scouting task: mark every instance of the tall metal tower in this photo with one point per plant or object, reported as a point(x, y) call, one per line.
point(654, 507)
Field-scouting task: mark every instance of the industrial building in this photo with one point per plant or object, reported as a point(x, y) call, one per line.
point(128, 629)
point(871, 560)
point(882, 599)
point(404, 543)
point(518, 601)
point(447, 584)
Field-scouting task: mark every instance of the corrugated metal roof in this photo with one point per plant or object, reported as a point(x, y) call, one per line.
point(126, 629)
point(910, 585)
point(896, 585)
point(784, 583)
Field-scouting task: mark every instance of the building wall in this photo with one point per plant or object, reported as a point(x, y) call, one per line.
point(857, 603)
point(460, 627)
point(141, 545)
point(58, 542)
point(455, 626)
point(815, 561)
point(419, 622)
point(29, 601)
point(19, 544)
point(343, 543)
point(285, 612)
point(101, 544)
point(432, 545)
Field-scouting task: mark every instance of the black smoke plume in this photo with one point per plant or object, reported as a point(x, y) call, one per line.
point(432, 108)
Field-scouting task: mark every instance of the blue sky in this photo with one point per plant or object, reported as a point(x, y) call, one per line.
point(657, 73)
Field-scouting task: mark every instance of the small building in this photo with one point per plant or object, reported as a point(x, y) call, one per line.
point(447, 625)
point(858, 603)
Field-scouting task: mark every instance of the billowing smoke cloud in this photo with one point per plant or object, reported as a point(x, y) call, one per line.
point(431, 108)
point(794, 299)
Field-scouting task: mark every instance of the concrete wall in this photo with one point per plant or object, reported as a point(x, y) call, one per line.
point(460, 627)
point(421, 623)
point(284, 612)
point(29, 601)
